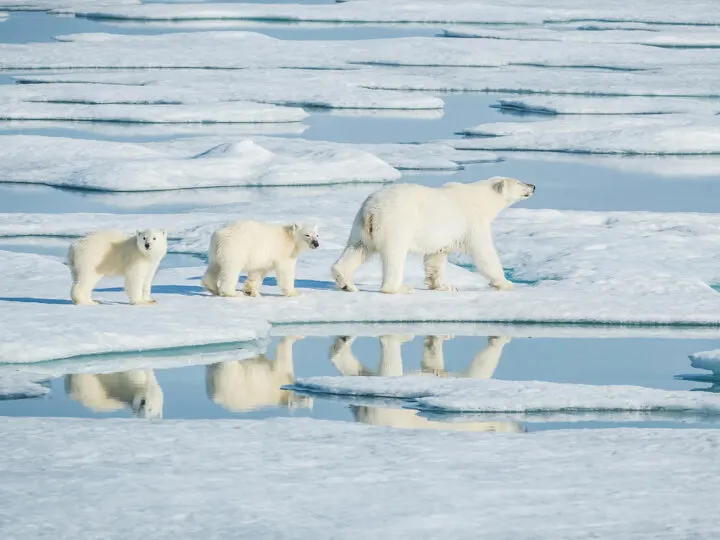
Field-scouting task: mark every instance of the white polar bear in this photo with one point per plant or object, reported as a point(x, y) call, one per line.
point(245, 385)
point(112, 253)
point(256, 248)
point(433, 221)
point(137, 388)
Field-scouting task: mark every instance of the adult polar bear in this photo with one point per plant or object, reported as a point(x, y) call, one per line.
point(433, 221)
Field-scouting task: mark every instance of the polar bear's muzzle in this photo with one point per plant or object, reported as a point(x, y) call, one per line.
point(529, 190)
point(315, 244)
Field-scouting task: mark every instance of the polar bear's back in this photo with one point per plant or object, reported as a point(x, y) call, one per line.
point(106, 252)
point(258, 244)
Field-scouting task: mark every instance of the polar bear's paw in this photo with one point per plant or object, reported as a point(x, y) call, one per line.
point(504, 285)
point(293, 294)
point(444, 288)
point(402, 289)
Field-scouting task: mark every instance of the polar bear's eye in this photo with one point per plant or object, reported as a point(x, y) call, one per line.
point(154, 238)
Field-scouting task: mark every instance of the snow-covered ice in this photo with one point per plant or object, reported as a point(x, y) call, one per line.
point(185, 163)
point(17, 385)
point(329, 89)
point(238, 50)
point(419, 11)
point(571, 267)
point(480, 395)
point(171, 480)
point(649, 134)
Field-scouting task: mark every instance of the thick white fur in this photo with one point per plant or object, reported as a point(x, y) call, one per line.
point(482, 367)
point(256, 248)
point(409, 218)
point(137, 389)
point(244, 385)
point(113, 253)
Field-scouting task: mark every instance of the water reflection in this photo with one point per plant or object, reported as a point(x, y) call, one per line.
point(106, 392)
point(245, 385)
point(482, 366)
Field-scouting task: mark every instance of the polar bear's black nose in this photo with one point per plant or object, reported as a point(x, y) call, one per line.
point(532, 187)
point(147, 246)
point(315, 244)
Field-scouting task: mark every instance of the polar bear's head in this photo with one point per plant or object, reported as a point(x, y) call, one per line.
point(511, 189)
point(305, 235)
point(151, 241)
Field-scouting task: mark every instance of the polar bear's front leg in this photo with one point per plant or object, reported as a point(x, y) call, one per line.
point(135, 283)
point(285, 272)
point(486, 259)
point(254, 282)
point(147, 285)
point(435, 270)
point(227, 281)
point(393, 268)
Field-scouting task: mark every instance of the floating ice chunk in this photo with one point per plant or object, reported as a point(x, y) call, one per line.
point(709, 360)
point(3, 15)
point(668, 37)
point(237, 50)
point(18, 385)
point(329, 89)
point(653, 135)
point(116, 166)
point(418, 11)
point(223, 113)
point(576, 105)
point(427, 156)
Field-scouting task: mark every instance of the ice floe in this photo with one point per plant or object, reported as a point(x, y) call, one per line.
point(340, 466)
point(17, 385)
point(328, 89)
point(238, 50)
point(649, 134)
point(418, 11)
point(569, 268)
point(182, 164)
point(481, 395)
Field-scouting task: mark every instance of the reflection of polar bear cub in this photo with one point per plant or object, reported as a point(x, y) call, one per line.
point(243, 385)
point(112, 391)
point(433, 221)
point(112, 253)
point(256, 248)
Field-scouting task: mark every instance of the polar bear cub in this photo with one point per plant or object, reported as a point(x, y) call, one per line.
point(410, 218)
point(113, 253)
point(257, 248)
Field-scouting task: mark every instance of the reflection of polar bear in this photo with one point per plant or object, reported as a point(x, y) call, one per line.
point(244, 385)
point(256, 248)
point(112, 253)
point(433, 221)
point(482, 367)
point(112, 391)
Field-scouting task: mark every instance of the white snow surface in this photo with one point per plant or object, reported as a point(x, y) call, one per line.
point(570, 267)
point(187, 163)
point(238, 50)
point(561, 484)
point(332, 89)
point(649, 134)
point(464, 395)
point(17, 385)
point(708, 360)
point(422, 11)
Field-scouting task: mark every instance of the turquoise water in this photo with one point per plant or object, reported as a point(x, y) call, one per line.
point(578, 183)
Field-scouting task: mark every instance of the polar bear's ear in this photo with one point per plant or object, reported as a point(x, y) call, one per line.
point(294, 227)
point(499, 186)
point(163, 232)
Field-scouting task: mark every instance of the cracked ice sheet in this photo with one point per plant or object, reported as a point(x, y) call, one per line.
point(651, 135)
point(188, 486)
point(680, 81)
point(657, 36)
point(422, 11)
point(15, 385)
point(590, 267)
point(237, 50)
point(188, 163)
point(579, 105)
point(521, 398)
point(223, 113)
point(333, 89)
